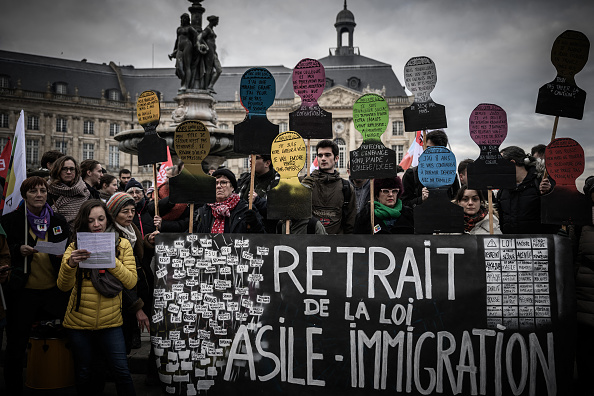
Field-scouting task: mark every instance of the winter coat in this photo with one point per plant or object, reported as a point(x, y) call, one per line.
point(203, 220)
point(96, 311)
point(327, 202)
point(584, 282)
point(482, 227)
point(14, 226)
point(403, 225)
point(262, 183)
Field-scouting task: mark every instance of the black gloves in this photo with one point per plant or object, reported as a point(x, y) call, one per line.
point(251, 217)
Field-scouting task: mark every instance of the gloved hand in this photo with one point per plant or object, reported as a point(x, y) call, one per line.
point(251, 217)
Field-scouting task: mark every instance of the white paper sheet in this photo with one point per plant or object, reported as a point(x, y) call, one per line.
point(102, 248)
point(57, 248)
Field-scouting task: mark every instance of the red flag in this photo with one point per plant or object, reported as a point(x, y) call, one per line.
point(162, 175)
point(4, 161)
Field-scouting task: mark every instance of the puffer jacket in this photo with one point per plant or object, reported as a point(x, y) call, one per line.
point(96, 311)
point(584, 281)
point(327, 202)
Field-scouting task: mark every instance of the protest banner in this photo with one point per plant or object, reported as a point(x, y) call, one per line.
point(564, 161)
point(353, 315)
point(310, 120)
point(437, 169)
point(289, 200)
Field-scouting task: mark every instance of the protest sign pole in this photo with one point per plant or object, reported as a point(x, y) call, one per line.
point(424, 139)
point(2, 297)
point(553, 135)
point(156, 191)
point(252, 176)
point(490, 195)
point(371, 205)
point(191, 228)
point(307, 155)
point(287, 226)
point(26, 234)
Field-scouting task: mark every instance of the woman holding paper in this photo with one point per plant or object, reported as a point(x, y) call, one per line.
point(94, 316)
point(390, 214)
point(31, 292)
point(476, 213)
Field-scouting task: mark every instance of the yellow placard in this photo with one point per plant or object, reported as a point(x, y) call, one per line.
point(192, 142)
point(288, 154)
point(147, 108)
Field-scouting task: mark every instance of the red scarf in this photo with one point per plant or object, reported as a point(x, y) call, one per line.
point(470, 221)
point(221, 210)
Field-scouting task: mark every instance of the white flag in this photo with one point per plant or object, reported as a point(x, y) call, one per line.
point(17, 172)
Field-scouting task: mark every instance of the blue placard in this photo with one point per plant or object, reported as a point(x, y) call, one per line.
point(257, 91)
point(437, 167)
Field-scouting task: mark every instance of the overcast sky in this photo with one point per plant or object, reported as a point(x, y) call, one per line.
point(485, 52)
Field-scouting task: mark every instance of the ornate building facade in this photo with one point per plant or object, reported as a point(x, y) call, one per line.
point(78, 107)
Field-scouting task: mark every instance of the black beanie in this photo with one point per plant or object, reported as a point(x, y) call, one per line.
point(133, 183)
point(228, 174)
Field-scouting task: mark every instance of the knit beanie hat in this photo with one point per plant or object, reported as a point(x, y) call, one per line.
point(118, 201)
point(228, 174)
point(133, 183)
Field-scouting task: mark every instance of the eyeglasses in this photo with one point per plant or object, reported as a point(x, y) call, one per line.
point(388, 191)
point(134, 191)
point(68, 170)
point(222, 183)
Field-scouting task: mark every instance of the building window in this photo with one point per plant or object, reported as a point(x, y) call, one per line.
point(114, 129)
point(33, 123)
point(3, 120)
point(4, 82)
point(114, 157)
point(88, 151)
point(32, 151)
point(88, 127)
point(61, 146)
point(283, 127)
point(341, 153)
point(353, 83)
point(399, 149)
point(246, 163)
point(61, 88)
point(223, 126)
point(146, 184)
point(114, 94)
point(3, 141)
point(397, 128)
point(329, 82)
point(61, 125)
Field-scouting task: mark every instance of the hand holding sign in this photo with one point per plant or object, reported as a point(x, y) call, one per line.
point(564, 159)
point(437, 168)
point(420, 78)
point(289, 199)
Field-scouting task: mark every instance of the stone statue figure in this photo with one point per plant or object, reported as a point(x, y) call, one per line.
point(197, 63)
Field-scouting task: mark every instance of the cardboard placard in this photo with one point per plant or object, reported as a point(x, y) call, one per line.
point(562, 97)
point(152, 148)
point(564, 160)
point(289, 200)
point(372, 159)
point(255, 133)
point(238, 314)
point(420, 78)
point(437, 171)
point(488, 129)
point(192, 185)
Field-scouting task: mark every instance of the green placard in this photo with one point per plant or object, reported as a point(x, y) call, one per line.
point(371, 117)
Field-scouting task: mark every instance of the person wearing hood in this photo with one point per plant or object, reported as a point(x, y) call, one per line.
point(333, 198)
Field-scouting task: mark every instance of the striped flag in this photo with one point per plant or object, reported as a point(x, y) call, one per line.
point(415, 150)
point(17, 168)
point(162, 175)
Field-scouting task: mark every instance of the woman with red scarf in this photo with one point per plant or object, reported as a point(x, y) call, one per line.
point(229, 214)
point(476, 214)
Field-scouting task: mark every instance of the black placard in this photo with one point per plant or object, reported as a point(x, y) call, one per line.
point(361, 315)
point(438, 214)
point(373, 160)
point(152, 148)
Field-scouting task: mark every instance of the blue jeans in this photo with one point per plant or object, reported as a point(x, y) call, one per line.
point(111, 342)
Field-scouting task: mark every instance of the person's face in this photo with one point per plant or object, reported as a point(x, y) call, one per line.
point(261, 166)
point(463, 177)
point(388, 196)
point(126, 215)
point(136, 193)
point(94, 175)
point(125, 177)
point(224, 188)
point(112, 187)
point(97, 220)
point(36, 198)
point(68, 172)
point(470, 202)
point(326, 159)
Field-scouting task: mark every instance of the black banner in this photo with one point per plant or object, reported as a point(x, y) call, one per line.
point(358, 315)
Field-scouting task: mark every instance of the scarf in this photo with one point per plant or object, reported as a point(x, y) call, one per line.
point(470, 221)
point(104, 196)
point(126, 232)
point(69, 198)
point(39, 224)
point(384, 212)
point(177, 210)
point(221, 210)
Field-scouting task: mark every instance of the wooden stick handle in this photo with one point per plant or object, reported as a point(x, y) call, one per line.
point(252, 176)
point(424, 139)
point(191, 228)
point(308, 155)
point(371, 205)
point(490, 195)
point(156, 191)
point(288, 227)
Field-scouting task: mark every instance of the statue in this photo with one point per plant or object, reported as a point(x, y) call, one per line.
point(197, 63)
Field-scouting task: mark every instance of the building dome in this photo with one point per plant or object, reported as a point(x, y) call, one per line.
point(345, 17)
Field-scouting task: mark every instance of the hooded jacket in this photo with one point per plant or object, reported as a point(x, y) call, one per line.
point(327, 202)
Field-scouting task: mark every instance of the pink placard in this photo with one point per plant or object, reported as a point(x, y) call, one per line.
point(309, 80)
point(564, 159)
point(488, 125)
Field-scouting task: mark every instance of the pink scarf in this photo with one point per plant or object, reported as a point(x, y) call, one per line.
point(221, 210)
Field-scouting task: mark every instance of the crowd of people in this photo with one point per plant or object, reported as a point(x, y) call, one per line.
point(107, 320)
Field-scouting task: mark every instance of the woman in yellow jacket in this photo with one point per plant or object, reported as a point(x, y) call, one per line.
point(93, 319)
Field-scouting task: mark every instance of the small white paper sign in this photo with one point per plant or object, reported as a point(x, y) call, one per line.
point(102, 248)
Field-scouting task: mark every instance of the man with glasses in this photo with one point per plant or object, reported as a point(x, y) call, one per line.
point(333, 198)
